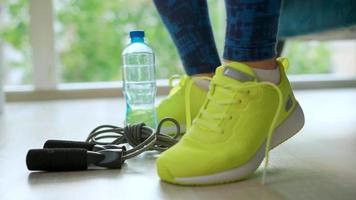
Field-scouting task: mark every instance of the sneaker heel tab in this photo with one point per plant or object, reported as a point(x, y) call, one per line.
point(283, 61)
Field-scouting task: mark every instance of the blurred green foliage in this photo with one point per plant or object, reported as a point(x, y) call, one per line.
point(91, 34)
point(94, 33)
point(15, 32)
point(307, 57)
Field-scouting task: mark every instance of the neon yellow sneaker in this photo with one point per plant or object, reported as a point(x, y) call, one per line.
point(239, 122)
point(175, 106)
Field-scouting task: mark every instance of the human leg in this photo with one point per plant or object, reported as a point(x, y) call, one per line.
point(188, 23)
point(245, 114)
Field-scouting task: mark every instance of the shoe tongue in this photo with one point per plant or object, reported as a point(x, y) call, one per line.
point(231, 73)
point(235, 71)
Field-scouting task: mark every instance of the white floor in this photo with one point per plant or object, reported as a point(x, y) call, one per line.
point(319, 163)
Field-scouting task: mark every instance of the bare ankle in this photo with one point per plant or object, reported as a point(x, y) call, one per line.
point(204, 74)
point(261, 64)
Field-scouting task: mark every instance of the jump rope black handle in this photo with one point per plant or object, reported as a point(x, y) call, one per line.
point(57, 159)
point(72, 159)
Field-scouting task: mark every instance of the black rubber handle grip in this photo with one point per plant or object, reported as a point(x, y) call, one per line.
point(57, 159)
point(68, 144)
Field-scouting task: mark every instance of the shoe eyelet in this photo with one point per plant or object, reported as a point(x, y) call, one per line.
point(240, 101)
point(248, 92)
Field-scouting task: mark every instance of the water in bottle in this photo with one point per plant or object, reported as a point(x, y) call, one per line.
point(139, 81)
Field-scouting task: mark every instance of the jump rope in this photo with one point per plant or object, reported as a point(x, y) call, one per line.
point(106, 146)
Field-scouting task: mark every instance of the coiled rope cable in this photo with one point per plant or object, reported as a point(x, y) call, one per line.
point(139, 136)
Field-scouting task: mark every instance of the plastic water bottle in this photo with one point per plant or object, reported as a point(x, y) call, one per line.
point(139, 84)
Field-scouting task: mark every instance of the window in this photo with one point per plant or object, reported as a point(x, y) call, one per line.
point(83, 25)
point(89, 36)
point(328, 57)
point(14, 42)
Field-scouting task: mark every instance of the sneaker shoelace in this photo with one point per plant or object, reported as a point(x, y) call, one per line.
point(208, 120)
point(175, 87)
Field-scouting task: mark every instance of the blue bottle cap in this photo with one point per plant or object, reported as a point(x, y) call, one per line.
point(137, 34)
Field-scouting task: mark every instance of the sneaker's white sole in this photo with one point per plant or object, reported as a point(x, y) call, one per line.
point(287, 129)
